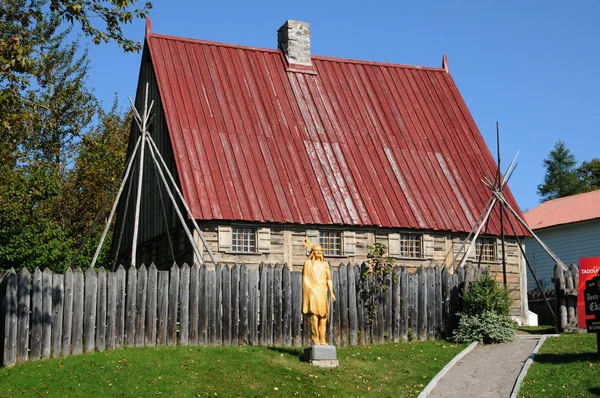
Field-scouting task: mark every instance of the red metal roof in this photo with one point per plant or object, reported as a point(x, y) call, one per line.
point(352, 143)
point(570, 209)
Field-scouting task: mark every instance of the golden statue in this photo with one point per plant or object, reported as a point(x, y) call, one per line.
point(316, 281)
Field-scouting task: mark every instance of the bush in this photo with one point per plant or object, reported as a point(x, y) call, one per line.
point(487, 328)
point(484, 317)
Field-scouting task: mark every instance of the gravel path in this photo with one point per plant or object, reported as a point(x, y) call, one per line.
point(487, 371)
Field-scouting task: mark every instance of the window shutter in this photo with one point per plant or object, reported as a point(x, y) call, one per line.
point(349, 241)
point(313, 237)
point(428, 246)
point(263, 236)
point(224, 238)
point(394, 244)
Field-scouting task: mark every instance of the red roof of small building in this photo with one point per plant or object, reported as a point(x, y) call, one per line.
point(345, 142)
point(567, 210)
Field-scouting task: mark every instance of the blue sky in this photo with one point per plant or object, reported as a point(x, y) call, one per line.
point(530, 65)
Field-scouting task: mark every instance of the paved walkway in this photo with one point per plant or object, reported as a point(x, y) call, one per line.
point(487, 371)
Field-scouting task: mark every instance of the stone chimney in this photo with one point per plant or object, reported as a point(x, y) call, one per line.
point(294, 39)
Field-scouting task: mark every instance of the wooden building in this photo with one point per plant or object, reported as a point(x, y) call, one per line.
point(570, 227)
point(270, 146)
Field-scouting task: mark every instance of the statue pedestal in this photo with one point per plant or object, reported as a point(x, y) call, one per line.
point(323, 356)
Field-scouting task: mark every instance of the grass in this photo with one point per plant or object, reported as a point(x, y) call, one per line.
point(398, 370)
point(565, 366)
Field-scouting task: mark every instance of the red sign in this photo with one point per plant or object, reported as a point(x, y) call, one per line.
point(588, 268)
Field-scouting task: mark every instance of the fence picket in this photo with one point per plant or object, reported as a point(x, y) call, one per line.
point(23, 304)
point(9, 316)
point(431, 303)
point(387, 307)
point(140, 305)
point(162, 307)
point(243, 306)
point(77, 331)
point(67, 314)
point(89, 317)
point(438, 302)
point(264, 280)
point(194, 303)
point(296, 280)
point(184, 309)
point(422, 303)
point(235, 304)
point(404, 304)
point(342, 296)
point(395, 288)
point(46, 313)
point(219, 305)
point(253, 306)
point(360, 304)
point(151, 306)
point(101, 311)
point(36, 317)
point(58, 293)
point(120, 311)
point(130, 306)
point(203, 303)
point(277, 305)
point(226, 286)
point(211, 287)
point(286, 289)
point(270, 297)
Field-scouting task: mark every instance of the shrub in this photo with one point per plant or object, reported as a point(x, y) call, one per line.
point(487, 328)
point(484, 317)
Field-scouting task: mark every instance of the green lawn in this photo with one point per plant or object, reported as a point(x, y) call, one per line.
point(396, 370)
point(565, 366)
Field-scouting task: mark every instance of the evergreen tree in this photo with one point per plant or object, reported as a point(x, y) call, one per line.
point(561, 177)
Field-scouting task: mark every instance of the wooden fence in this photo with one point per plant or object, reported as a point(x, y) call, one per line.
point(50, 315)
point(563, 299)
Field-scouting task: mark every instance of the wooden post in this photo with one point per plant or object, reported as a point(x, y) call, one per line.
point(277, 305)
point(68, 314)
point(58, 295)
point(184, 309)
point(23, 304)
point(342, 297)
point(46, 313)
point(286, 280)
point(90, 302)
point(162, 307)
point(244, 306)
point(422, 302)
point(9, 320)
point(203, 304)
point(226, 320)
point(173, 305)
point(151, 306)
point(253, 306)
point(35, 345)
point(101, 311)
point(194, 303)
point(120, 310)
point(130, 303)
point(404, 300)
point(559, 288)
point(235, 304)
point(352, 310)
point(140, 306)
point(296, 309)
point(77, 331)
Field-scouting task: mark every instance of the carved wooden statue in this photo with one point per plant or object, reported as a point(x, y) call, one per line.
point(316, 282)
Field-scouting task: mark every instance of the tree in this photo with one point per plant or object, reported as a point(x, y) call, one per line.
point(561, 177)
point(100, 160)
point(101, 20)
point(589, 174)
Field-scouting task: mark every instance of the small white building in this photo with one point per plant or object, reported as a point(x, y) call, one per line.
point(570, 227)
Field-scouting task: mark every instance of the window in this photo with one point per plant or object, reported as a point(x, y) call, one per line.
point(411, 245)
point(243, 239)
point(486, 248)
point(331, 241)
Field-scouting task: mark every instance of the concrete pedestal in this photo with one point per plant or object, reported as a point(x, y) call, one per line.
point(324, 356)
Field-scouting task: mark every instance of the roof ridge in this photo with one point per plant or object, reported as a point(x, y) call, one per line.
point(315, 57)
